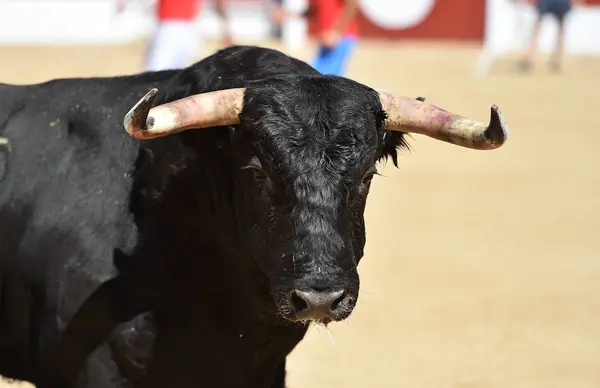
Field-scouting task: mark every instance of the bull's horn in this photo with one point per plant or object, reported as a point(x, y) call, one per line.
point(204, 110)
point(5, 145)
point(409, 115)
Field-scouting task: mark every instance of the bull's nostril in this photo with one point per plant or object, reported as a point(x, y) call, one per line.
point(321, 305)
point(298, 304)
point(316, 302)
point(337, 302)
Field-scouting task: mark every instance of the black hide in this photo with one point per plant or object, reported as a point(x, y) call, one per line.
point(185, 249)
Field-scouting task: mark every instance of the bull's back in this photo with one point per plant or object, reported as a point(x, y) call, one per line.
point(11, 96)
point(53, 131)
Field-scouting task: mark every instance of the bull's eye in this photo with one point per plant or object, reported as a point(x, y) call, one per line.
point(360, 189)
point(260, 176)
point(256, 166)
point(368, 177)
point(255, 163)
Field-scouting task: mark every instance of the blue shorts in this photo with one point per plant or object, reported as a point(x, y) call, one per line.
point(558, 8)
point(333, 60)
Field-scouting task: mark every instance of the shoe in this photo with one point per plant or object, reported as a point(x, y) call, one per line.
point(554, 66)
point(525, 66)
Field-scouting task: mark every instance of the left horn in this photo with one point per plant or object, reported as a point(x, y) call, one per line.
point(211, 109)
point(409, 115)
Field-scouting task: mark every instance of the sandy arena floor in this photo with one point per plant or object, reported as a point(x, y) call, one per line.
point(482, 269)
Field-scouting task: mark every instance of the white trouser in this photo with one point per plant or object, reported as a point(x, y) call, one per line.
point(173, 46)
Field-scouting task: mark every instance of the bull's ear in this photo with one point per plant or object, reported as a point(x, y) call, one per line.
point(394, 141)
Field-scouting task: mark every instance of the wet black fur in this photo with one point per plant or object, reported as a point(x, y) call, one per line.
point(177, 253)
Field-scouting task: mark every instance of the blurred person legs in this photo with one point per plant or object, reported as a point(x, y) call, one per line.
point(176, 40)
point(173, 46)
point(221, 9)
point(559, 9)
point(333, 60)
point(337, 32)
point(277, 30)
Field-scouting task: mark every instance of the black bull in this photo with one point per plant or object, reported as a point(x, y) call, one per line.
point(195, 259)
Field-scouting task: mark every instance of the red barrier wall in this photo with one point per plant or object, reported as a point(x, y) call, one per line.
point(461, 20)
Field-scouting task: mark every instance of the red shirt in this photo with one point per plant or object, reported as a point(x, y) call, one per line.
point(180, 10)
point(327, 14)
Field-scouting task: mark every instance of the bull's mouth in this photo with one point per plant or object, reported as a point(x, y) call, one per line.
point(319, 307)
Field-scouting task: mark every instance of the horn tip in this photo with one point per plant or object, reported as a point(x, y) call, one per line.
point(5, 144)
point(135, 121)
point(497, 131)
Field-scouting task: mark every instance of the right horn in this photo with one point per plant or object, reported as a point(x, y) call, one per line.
point(414, 116)
point(209, 109)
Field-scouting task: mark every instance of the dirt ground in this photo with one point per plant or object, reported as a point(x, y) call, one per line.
point(482, 269)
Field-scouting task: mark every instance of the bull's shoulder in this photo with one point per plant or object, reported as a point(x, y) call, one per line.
point(12, 99)
point(235, 66)
point(262, 59)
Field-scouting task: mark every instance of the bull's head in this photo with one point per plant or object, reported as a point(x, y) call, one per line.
point(315, 142)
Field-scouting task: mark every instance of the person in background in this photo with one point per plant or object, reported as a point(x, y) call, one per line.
point(559, 9)
point(175, 40)
point(277, 30)
point(337, 33)
point(220, 7)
